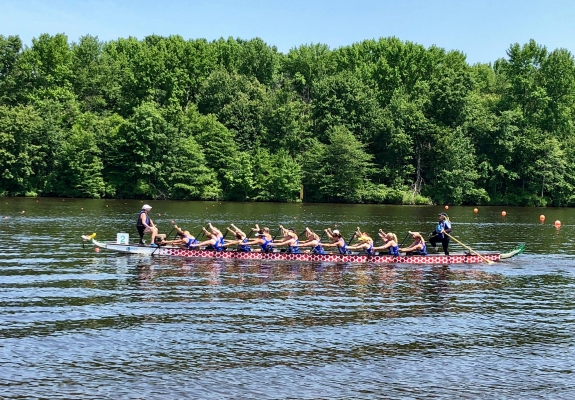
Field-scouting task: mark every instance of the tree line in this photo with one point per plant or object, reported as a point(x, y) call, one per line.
point(380, 121)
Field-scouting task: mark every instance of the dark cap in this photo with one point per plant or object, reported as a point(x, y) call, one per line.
point(443, 213)
point(291, 229)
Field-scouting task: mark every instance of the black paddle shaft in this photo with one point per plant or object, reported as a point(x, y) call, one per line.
point(276, 235)
point(168, 235)
point(200, 234)
point(351, 238)
point(403, 241)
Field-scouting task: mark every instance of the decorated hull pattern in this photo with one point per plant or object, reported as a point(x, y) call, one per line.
point(304, 257)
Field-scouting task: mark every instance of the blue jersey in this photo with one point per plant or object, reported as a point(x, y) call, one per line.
point(294, 249)
point(218, 246)
point(317, 249)
point(267, 245)
point(394, 250)
point(423, 251)
point(243, 247)
point(369, 250)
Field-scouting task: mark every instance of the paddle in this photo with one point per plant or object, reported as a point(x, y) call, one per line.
point(352, 236)
point(199, 235)
point(403, 241)
point(168, 235)
point(278, 232)
point(469, 248)
point(274, 238)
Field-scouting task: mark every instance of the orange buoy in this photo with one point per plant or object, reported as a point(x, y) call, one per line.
point(475, 210)
point(557, 224)
point(23, 212)
point(542, 218)
point(503, 213)
point(97, 249)
point(447, 207)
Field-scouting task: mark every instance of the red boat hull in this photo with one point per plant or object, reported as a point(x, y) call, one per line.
point(335, 258)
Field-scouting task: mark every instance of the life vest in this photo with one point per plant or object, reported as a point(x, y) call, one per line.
point(139, 223)
point(442, 225)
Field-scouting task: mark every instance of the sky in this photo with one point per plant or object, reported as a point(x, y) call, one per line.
point(481, 29)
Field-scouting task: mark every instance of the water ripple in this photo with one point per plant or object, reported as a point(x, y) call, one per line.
point(75, 324)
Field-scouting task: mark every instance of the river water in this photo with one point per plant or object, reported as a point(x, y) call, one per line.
point(79, 324)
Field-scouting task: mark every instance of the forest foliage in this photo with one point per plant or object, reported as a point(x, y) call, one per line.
point(380, 121)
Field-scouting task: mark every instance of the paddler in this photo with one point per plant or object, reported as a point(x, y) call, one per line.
point(337, 240)
point(289, 239)
point(240, 239)
point(390, 243)
point(418, 246)
point(313, 241)
point(263, 239)
point(365, 243)
point(212, 243)
point(186, 238)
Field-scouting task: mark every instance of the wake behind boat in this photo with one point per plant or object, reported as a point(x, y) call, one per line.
point(279, 255)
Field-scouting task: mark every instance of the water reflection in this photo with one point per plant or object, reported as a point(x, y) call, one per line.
point(241, 280)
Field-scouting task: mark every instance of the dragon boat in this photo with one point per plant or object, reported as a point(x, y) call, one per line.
point(278, 255)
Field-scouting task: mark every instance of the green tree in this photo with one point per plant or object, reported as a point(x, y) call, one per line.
point(10, 50)
point(238, 103)
point(454, 173)
point(306, 64)
point(77, 167)
point(343, 99)
point(277, 176)
point(338, 170)
point(233, 167)
point(20, 138)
